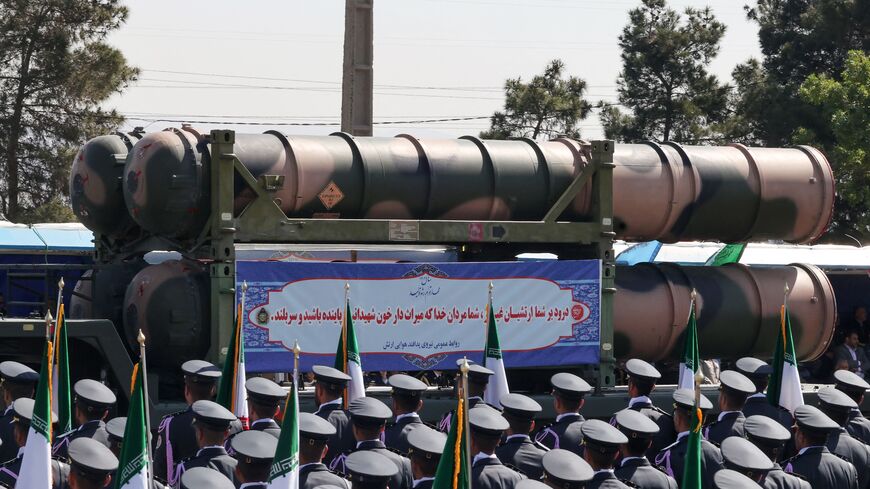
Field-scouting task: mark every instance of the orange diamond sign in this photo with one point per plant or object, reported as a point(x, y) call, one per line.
point(331, 195)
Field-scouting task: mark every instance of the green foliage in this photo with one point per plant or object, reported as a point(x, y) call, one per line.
point(55, 210)
point(664, 80)
point(55, 71)
point(845, 106)
point(547, 106)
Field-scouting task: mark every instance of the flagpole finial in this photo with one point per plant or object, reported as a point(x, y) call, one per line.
point(245, 287)
point(699, 377)
point(296, 349)
point(141, 338)
point(346, 286)
point(694, 294)
point(491, 286)
point(48, 317)
point(463, 365)
point(60, 283)
point(787, 290)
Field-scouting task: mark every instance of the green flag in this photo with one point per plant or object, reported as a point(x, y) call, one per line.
point(690, 361)
point(453, 470)
point(729, 253)
point(35, 468)
point(692, 468)
point(133, 462)
point(284, 473)
point(347, 358)
point(784, 389)
point(62, 394)
point(492, 359)
point(231, 391)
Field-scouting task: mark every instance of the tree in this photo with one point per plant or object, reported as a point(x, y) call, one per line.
point(547, 106)
point(55, 71)
point(845, 106)
point(664, 81)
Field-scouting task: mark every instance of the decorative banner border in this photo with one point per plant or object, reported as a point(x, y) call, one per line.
point(412, 316)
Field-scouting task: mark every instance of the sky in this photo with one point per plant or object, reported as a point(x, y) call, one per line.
point(277, 64)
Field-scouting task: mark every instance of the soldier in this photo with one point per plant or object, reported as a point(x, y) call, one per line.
point(314, 432)
point(568, 393)
point(731, 479)
point(734, 389)
point(741, 455)
point(407, 401)
point(642, 379)
point(758, 373)
point(837, 405)
point(602, 443)
point(565, 470)
point(211, 423)
point(91, 464)
point(22, 411)
point(671, 459)
point(478, 378)
point(176, 438)
point(368, 419)
point(770, 437)
point(487, 472)
point(254, 451)
point(264, 400)
point(518, 449)
point(531, 484)
point(92, 403)
point(814, 462)
point(201, 477)
point(367, 469)
point(426, 446)
point(18, 381)
point(115, 434)
point(328, 391)
point(634, 466)
point(854, 387)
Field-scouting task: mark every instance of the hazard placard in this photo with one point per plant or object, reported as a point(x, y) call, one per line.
point(331, 195)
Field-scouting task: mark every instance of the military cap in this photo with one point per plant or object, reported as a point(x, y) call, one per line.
point(731, 479)
point(849, 382)
point(200, 371)
point(212, 415)
point(476, 373)
point(329, 375)
point(254, 447)
point(642, 370)
point(264, 391)
point(426, 442)
point(531, 484)
point(369, 468)
point(810, 418)
point(566, 469)
point(313, 427)
point(18, 373)
point(91, 457)
point(487, 421)
point(520, 406)
point(739, 453)
point(766, 431)
point(569, 386)
point(834, 400)
point(115, 428)
point(601, 437)
point(753, 368)
point(406, 385)
point(369, 411)
point(685, 398)
point(633, 424)
point(93, 393)
point(199, 477)
point(737, 382)
point(22, 411)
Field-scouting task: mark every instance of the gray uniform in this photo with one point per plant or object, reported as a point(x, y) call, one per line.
point(671, 460)
point(564, 433)
point(605, 480)
point(858, 426)
point(853, 451)
point(780, 479)
point(9, 473)
point(760, 406)
point(524, 454)
point(212, 458)
point(396, 435)
point(822, 469)
point(95, 429)
point(641, 473)
point(343, 439)
point(403, 479)
point(8, 447)
point(728, 424)
point(490, 473)
point(313, 475)
point(176, 441)
point(666, 434)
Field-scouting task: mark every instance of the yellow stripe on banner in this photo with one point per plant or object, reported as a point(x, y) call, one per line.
point(133, 378)
point(236, 357)
point(700, 416)
point(58, 324)
point(50, 393)
point(782, 323)
point(457, 447)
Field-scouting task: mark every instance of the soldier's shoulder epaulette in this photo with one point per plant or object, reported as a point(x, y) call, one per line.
point(397, 452)
point(628, 482)
point(841, 457)
point(434, 427)
point(514, 468)
point(540, 445)
point(799, 476)
point(660, 411)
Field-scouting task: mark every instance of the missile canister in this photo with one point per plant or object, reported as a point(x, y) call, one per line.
point(661, 191)
point(738, 310)
point(95, 182)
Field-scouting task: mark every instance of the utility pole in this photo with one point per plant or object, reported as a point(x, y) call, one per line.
point(357, 75)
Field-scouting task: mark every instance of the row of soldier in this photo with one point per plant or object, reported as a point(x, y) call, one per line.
point(750, 444)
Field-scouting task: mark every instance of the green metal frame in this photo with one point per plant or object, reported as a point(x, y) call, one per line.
point(263, 221)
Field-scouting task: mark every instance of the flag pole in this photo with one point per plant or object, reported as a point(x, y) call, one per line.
point(146, 402)
point(344, 361)
point(296, 352)
point(50, 367)
point(486, 322)
point(463, 369)
point(58, 305)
